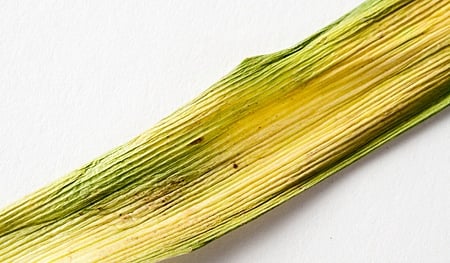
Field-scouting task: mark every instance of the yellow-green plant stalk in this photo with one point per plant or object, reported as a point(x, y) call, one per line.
point(275, 126)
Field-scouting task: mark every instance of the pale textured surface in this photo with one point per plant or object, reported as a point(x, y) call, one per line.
point(79, 80)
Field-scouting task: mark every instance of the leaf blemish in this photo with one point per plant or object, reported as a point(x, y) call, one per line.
point(196, 141)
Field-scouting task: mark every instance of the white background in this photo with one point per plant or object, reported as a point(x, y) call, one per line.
point(78, 78)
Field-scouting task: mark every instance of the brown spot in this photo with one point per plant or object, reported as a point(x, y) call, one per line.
point(196, 141)
point(235, 166)
point(127, 217)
